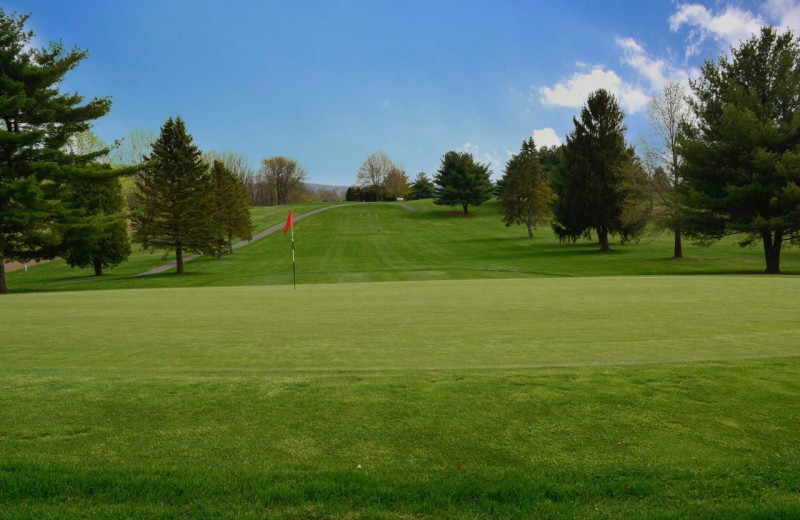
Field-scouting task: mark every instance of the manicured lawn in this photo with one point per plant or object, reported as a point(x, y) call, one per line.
point(367, 243)
point(598, 397)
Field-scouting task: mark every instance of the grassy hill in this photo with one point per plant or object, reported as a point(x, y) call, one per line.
point(487, 376)
point(385, 242)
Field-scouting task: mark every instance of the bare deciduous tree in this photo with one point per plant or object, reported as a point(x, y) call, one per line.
point(669, 112)
point(133, 147)
point(373, 173)
point(283, 177)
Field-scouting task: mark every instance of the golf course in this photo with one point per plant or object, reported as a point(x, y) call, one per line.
point(427, 364)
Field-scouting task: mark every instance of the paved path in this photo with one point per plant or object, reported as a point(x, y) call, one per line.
point(268, 231)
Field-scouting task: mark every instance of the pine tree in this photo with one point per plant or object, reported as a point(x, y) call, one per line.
point(526, 195)
point(37, 122)
point(422, 188)
point(97, 234)
point(460, 180)
point(742, 161)
point(231, 208)
point(174, 196)
point(99, 239)
point(600, 183)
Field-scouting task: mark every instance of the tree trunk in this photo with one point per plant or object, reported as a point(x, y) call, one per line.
point(98, 267)
point(602, 235)
point(678, 244)
point(465, 205)
point(3, 286)
point(772, 250)
point(179, 257)
point(529, 222)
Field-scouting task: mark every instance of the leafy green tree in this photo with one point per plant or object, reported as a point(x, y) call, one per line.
point(742, 160)
point(396, 185)
point(174, 205)
point(461, 180)
point(422, 188)
point(526, 194)
point(231, 208)
point(96, 235)
point(37, 122)
point(600, 184)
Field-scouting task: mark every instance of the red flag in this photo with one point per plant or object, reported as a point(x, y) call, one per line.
point(289, 223)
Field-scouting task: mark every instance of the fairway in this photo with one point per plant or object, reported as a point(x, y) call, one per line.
point(386, 242)
point(603, 397)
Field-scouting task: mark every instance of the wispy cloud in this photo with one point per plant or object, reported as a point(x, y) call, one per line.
point(785, 13)
point(495, 160)
point(730, 25)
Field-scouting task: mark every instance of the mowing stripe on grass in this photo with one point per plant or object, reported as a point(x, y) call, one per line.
point(408, 325)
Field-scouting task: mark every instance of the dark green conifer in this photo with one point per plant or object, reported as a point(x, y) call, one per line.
point(600, 183)
point(174, 202)
point(231, 208)
point(36, 122)
point(461, 180)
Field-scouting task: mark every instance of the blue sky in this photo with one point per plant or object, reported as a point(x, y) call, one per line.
point(330, 82)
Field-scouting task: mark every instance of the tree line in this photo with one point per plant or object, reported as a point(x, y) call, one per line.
point(62, 195)
point(726, 162)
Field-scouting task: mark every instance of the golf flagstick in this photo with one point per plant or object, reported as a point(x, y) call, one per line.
point(290, 225)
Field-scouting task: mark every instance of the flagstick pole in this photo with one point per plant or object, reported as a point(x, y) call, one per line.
point(294, 273)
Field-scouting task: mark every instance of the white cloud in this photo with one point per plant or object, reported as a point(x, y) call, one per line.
point(730, 26)
point(657, 72)
point(546, 137)
point(785, 12)
point(574, 91)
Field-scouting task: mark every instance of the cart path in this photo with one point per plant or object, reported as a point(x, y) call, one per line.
point(262, 234)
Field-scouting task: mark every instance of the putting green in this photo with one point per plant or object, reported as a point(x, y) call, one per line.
point(408, 325)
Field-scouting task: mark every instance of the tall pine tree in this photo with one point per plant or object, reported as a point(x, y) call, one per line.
point(99, 237)
point(97, 234)
point(231, 208)
point(526, 195)
point(174, 204)
point(600, 183)
point(37, 121)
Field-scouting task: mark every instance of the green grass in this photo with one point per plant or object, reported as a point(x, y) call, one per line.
point(603, 397)
point(368, 243)
point(486, 376)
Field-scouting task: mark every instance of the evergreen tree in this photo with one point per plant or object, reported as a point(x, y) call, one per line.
point(742, 161)
point(97, 234)
point(99, 238)
point(460, 180)
point(37, 123)
point(526, 195)
point(599, 186)
point(421, 188)
point(174, 204)
point(231, 208)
